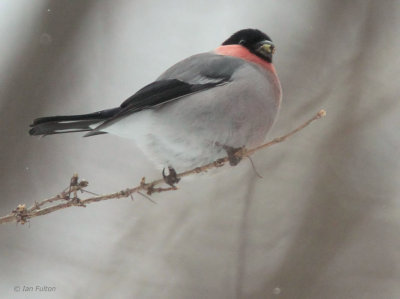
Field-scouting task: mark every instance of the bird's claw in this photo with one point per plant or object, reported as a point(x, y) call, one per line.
point(232, 152)
point(172, 178)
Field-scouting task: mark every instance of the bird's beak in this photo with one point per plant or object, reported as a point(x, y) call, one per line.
point(266, 49)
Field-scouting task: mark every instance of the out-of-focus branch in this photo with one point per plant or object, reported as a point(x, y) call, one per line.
point(69, 196)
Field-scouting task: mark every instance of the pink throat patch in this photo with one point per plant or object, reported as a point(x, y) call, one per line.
point(241, 52)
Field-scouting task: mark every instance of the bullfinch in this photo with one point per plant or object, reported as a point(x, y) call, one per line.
point(199, 110)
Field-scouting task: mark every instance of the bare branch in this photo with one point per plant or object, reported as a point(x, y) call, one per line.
point(69, 196)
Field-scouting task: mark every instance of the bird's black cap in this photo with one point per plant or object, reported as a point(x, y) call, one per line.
point(247, 37)
point(256, 41)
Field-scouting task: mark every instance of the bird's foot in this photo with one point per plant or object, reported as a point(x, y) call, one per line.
point(172, 178)
point(233, 156)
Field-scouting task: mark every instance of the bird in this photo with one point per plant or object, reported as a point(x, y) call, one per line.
point(199, 110)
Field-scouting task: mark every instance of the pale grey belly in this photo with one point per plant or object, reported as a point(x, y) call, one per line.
point(191, 132)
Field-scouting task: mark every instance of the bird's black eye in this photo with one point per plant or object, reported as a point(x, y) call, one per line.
point(242, 42)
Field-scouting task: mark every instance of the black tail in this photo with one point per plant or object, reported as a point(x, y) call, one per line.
point(70, 123)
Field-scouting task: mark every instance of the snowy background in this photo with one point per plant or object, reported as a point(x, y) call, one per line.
point(324, 220)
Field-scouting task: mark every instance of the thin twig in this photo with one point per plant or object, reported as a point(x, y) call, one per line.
point(22, 215)
point(254, 168)
point(147, 197)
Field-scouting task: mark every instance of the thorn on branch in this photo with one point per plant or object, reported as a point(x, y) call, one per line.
point(90, 192)
point(147, 197)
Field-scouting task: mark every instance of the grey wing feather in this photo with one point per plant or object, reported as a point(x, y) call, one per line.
point(203, 68)
point(192, 75)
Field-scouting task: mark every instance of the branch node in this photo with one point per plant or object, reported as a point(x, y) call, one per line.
point(74, 180)
point(76, 201)
point(150, 189)
point(83, 183)
point(21, 214)
point(124, 193)
point(147, 187)
point(36, 206)
point(219, 162)
point(279, 139)
point(321, 113)
point(143, 183)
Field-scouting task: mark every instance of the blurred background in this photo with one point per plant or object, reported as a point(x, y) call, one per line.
point(324, 220)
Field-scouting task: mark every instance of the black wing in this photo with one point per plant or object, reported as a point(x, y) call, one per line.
point(155, 94)
point(160, 92)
